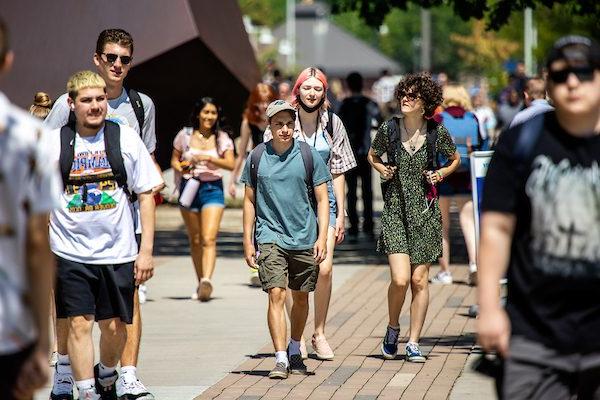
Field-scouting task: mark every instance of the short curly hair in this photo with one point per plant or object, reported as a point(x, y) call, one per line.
point(425, 87)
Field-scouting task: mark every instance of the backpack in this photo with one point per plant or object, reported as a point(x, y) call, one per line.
point(112, 146)
point(307, 159)
point(462, 129)
point(394, 143)
point(136, 104)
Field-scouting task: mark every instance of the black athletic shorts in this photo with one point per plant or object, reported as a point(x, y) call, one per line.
point(105, 291)
point(10, 368)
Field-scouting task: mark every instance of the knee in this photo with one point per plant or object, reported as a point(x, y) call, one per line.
point(301, 300)
point(195, 239)
point(80, 326)
point(466, 213)
point(113, 327)
point(209, 241)
point(277, 296)
point(418, 282)
point(399, 283)
point(325, 271)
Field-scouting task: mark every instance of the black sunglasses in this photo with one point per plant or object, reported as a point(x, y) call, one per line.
point(411, 96)
point(112, 58)
point(584, 74)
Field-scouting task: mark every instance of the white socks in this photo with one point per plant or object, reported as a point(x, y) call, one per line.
point(281, 357)
point(87, 386)
point(104, 371)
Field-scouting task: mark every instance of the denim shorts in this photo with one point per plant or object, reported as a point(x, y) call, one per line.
point(209, 194)
point(332, 204)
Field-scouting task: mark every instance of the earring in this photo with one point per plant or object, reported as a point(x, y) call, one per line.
point(422, 111)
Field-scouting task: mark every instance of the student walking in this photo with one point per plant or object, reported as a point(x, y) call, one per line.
point(104, 167)
point(199, 153)
point(411, 221)
point(27, 177)
point(324, 131)
point(541, 207)
point(113, 58)
point(286, 212)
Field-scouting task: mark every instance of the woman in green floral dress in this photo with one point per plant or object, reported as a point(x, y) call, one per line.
point(411, 221)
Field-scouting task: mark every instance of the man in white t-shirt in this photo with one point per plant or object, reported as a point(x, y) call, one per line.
point(29, 189)
point(113, 59)
point(93, 235)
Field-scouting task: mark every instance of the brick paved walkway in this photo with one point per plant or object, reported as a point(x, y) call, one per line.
point(357, 320)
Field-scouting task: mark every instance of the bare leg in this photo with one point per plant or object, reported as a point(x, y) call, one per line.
point(400, 274)
point(193, 225)
point(62, 335)
point(467, 224)
point(81, 346)
point(112, 341)
point(134, 335)
point(299, 314)
point(276, 318)
point(444, 260)
point(211, 220)
point(323, 289)
point(419, 284)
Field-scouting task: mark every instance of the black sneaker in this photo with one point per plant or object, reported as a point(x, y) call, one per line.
point(279, 372)
point(62, 396)
point(106, 387)
point(297, 366)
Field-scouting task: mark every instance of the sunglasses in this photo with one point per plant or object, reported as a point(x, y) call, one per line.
point(584, 74)
point(112, 58)
point(411, 96)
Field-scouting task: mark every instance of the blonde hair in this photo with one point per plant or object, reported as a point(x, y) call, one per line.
point(456, 95)
point(41, 105)
point(84, 80)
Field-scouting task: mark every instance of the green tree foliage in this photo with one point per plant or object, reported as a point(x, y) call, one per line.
point(264, 12)
point(496, 12)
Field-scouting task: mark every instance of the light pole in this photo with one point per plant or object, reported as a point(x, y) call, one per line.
point(528, 41)
point(425, 39)
point(290, 30)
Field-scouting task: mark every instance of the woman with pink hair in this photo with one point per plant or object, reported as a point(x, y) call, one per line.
point(324, 130)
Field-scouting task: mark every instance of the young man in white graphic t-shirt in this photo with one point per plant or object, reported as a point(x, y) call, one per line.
point(93, 236)
point(113, 58)
point(29, 190)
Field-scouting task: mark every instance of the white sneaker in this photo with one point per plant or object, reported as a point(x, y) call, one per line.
point(63, 384)
point(132, 389)
point(254, 279)
point(442, 278)
point(142, 293)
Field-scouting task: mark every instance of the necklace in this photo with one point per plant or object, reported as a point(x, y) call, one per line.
point(412, 140)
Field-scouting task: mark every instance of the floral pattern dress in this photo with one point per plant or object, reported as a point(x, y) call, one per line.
point(409, 224)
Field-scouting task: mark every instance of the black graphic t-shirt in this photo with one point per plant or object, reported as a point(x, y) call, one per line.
point(554, 271)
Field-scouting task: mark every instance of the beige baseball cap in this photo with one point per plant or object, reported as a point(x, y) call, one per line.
point(278, 106)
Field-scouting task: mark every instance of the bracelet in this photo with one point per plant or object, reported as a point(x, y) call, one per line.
point(440, 175)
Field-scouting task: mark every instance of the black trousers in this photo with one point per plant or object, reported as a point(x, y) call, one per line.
point(362, 171)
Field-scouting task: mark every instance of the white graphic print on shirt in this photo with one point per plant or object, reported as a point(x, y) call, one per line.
point(565, 206)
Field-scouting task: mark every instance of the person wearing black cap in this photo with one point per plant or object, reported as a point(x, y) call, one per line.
point(540, 226)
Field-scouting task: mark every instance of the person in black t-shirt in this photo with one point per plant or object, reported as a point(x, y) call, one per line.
point(358, 112)
point(541, 226)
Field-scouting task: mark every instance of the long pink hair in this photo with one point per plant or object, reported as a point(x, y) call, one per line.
point(306, 74)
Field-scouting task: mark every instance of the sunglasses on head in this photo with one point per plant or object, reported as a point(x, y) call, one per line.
point(584, 74)
point(112, 58)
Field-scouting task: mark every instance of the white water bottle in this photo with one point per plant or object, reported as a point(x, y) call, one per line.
point(189, 192)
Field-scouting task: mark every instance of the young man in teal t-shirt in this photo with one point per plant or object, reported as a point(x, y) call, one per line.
point(280, 217)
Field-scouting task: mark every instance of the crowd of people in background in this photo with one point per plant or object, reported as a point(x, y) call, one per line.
point(301, 151)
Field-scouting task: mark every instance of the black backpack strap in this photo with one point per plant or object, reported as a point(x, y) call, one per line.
point(112, 146)
point(67, 151)
point(138, 107)
point(307, 159)
point(254, 162)
point(431, 140)
point(393, 139)
point(329, 127)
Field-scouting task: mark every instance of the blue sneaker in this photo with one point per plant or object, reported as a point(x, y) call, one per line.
point(389, 346)
point(413, 353)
